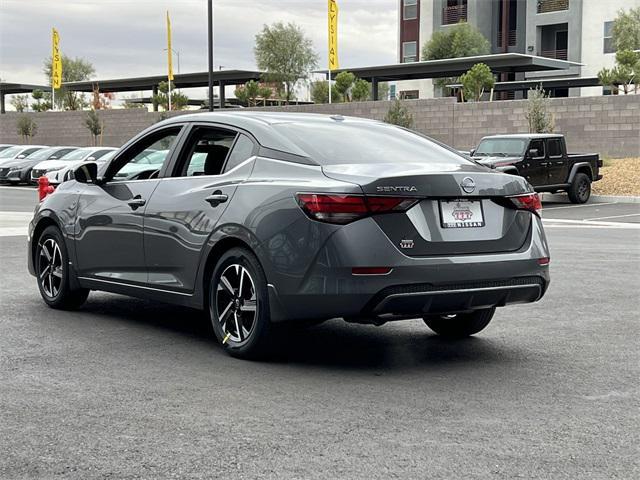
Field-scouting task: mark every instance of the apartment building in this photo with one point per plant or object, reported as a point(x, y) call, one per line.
point(575, 30)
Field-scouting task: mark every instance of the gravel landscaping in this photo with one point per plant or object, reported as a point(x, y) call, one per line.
point(621, 177)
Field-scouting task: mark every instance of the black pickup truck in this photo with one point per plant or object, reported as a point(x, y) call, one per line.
point(543, 160)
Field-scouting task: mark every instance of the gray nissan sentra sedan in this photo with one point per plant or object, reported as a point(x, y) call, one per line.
point(271, 218)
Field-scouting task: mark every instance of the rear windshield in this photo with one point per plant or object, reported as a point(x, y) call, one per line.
point(345, 142)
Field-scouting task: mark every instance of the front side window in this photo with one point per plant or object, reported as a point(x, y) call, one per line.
point(539, 146)
point(608, 46)
point(409, 52)
point(145, 159)
point(409, 9)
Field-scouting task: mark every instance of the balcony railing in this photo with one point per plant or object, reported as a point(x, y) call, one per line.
point(558, 54)
point(454, 14)
point(546, 6)
point(511, 38)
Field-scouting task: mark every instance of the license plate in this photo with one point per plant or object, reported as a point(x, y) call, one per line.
point(461, 213)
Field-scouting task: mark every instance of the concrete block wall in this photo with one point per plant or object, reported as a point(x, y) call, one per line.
point(609, 125)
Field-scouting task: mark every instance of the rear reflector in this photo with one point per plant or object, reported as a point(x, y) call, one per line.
point(529, 201)
point(370, 270)
point(343, 209)
point(544, 261)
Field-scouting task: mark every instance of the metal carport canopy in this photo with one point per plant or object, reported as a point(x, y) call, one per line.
point(9, 88)
point(180, 80)
point(453, 67)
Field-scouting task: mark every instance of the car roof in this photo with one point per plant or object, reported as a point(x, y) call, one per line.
point(525, 135)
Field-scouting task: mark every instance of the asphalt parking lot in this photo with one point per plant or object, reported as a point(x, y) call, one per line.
point(125, 388)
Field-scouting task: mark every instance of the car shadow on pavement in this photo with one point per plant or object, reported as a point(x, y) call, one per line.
point(336, 344)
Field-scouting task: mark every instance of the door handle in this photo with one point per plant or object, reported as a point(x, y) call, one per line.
point(560, 163)
point(135, 203)
point(544, 164)
point(217, 198)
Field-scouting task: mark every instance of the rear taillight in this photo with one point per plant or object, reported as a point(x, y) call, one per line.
point(343, 209)
point(529, 201)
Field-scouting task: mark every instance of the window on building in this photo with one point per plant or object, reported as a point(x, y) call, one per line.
point(409, 52)
point(609, 47)
point(410, 94)
point(409, 9)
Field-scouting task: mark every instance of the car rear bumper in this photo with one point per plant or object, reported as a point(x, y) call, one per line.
point(415, 286)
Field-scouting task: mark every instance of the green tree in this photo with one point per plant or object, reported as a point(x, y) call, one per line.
point(179, 101)
point(73, 70)
point(42, 101)
point(27, 128)
point(20, 103)
point(478, 79)
point(626, 73)
point(461, 40)
point(285, 55)
point(344, 82)
point(540, 120)
point(626, 30)
point(361, 90)
point(398, 114)
point(94, 125)
point(320, 92)
point(251, 92)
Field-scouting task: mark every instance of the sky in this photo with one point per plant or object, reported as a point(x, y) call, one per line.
point(124, 38)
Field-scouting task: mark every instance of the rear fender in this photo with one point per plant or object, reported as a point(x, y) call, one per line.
point(580, 167)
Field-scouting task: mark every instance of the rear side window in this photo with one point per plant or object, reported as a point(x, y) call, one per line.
point(555, 149)
point(205, 152)
point(345, 142)
point(242, 149)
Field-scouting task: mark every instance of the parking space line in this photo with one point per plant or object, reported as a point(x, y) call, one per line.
point(557, 222)
point(579, 206)
point(613, 216)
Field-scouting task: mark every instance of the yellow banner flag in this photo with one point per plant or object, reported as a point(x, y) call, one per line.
point(56, 60)
point(169, 50)
point(333, 35)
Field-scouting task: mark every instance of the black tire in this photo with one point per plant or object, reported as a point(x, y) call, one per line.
point(460, 325)
point(51, 264)
point(239, 305)
point(580, 189)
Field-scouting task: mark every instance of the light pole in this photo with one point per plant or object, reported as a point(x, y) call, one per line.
point(210, 51)
point(177, 54)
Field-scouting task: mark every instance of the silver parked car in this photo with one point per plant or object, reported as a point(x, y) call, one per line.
point(264, 219)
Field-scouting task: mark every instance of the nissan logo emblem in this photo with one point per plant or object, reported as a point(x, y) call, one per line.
point(468, 185)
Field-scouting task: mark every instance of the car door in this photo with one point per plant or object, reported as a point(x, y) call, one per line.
point(186, 206)
point(558, 168)
point(110, 215)
point(536, 165)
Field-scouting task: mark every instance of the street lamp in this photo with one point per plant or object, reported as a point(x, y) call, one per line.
point(177, 54)
point(210, 51)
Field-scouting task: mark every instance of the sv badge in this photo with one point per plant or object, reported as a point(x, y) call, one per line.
point(406, 244)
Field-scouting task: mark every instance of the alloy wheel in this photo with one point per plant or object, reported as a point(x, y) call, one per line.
point(236, 303)
point(583, 190)
point(50, 268)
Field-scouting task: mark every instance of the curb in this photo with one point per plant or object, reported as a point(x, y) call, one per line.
point(553, 197)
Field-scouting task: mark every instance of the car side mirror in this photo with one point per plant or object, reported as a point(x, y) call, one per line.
point(472, 152)
point(21, 156)
point(86, 173)
point(533, 152)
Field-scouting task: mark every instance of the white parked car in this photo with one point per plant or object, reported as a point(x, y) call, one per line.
point(18, 152)
point(53, 169)
point(62, 175)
